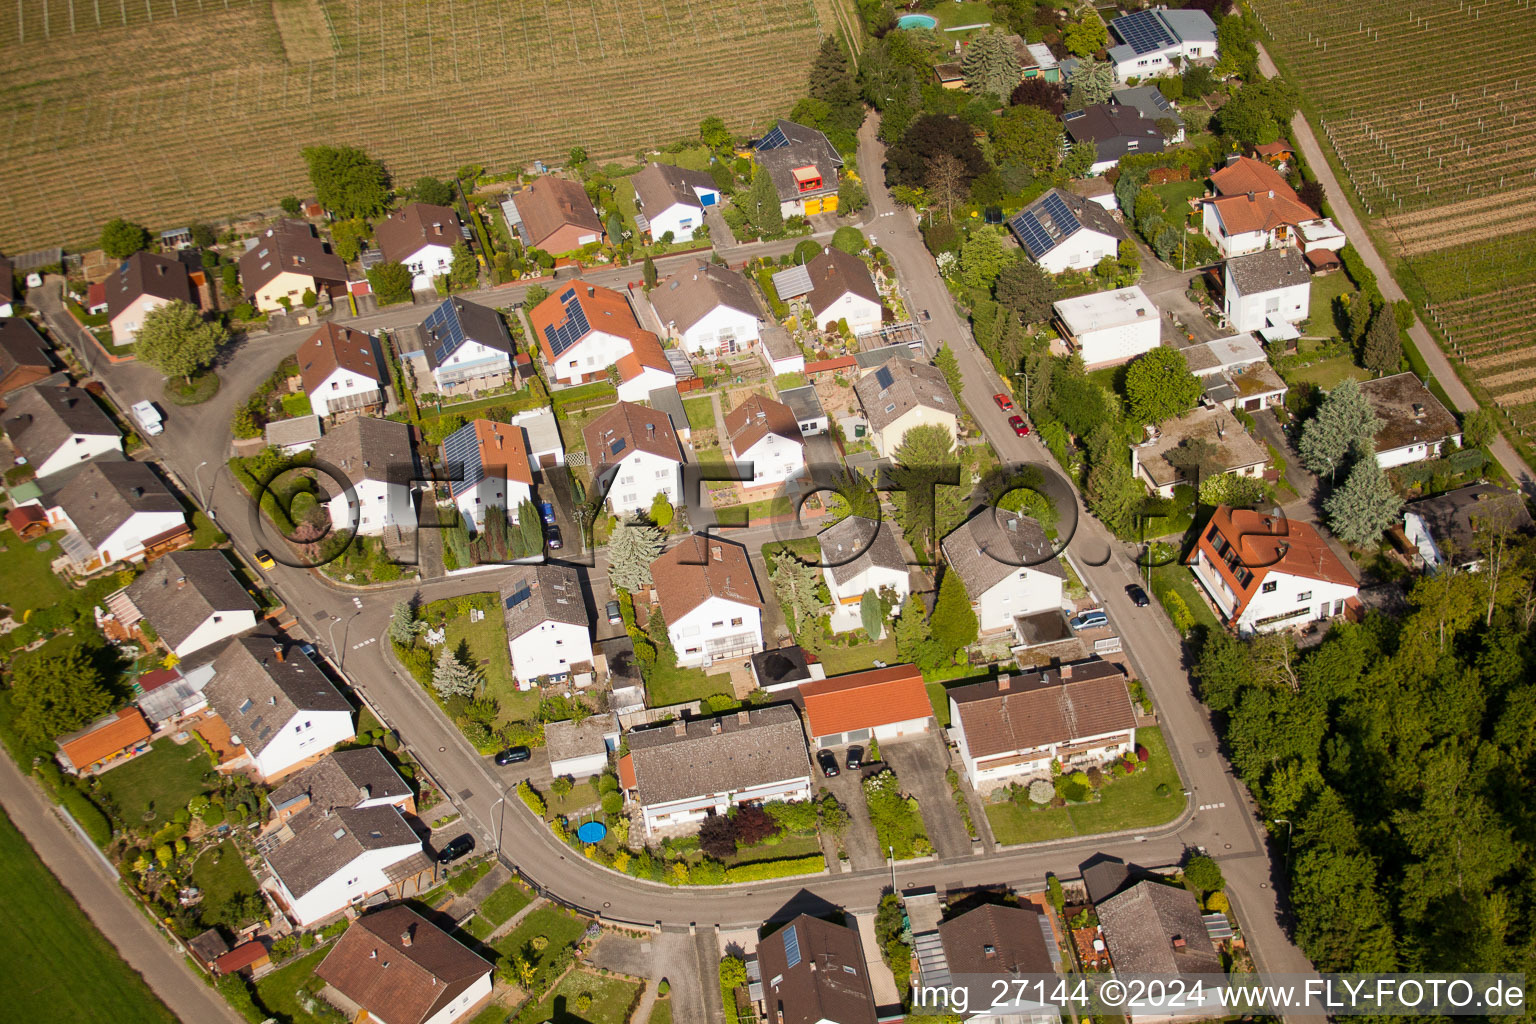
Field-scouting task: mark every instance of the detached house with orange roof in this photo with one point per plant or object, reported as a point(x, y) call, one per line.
point(708, 595)
point(584, 329)
point(342, 371)
point(488, 465)
point(883, 704)
point(421, 237)
point(555, 215)
point(1265, 573)
point(635, 449)
point(1254, 208)
point(766, 435)
point(105, 743)
point(395, 966)
point(285, 261)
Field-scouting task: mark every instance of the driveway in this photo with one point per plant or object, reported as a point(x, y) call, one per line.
point(859, 839)
point(1167, 287)
point(920, 763)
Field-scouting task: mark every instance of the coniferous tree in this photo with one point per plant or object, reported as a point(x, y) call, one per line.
point(631, 550)
point(990, 65)
point(953, 626)
point(1366, 506)
point(1383, 345)
point(450, 676)
point(1344, 418)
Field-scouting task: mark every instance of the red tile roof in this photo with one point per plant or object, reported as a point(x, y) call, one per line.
point(27, 515)
point(828, 365)
point(1263, 543)
point(864, 700)
point(1260, 211)
point(551, 204)
point(627, 772)
point(158, 678)
point(247, 954)
point(1245, 174)
point(606, 311)
point(701, 567)
point(105, 738)
point(501, 445)
point(334, 347)
point(645, 351)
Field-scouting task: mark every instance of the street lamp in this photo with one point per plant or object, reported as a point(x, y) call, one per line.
point(496, 825)
point(341, 655)
point(197, 475)
point(1025, 375)
point(893, 868)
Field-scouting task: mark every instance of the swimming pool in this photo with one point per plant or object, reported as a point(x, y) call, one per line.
point(916, 21)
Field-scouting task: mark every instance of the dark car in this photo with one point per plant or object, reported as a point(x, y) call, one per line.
point(547, 512)
point(855, 757)
point(1137, 595)
point(615, 613)
point(456, 849)
point(552, 536)
point(828, 762)
point(513, 755)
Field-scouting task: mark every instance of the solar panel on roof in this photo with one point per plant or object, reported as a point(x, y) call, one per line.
point(883, 377)
point(791, 946)
point(1066, 220)
point(773, 140)
point(567, 295)
point(573, 329)
point(461, 451)
point(446, 329)
point(618, 446)
point(1031, 233)
point(522, 594)
point(1143, 31)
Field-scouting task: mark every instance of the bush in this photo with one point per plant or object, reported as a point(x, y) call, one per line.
point(613, 803)
point(1217, 903)
point(531, 797)
point(1041, 791)
point(759, 870)
point(1204, 874)
point(86, 814)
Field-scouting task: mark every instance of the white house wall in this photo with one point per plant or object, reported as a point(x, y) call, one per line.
point(127, 541)
point(717, 328)
point(861, 314)
point(548, 649)
point(774, 460)
point(680, 219)
point(638, 389)
point(380, 506)
point(846, 617)
point(640, 477)
point(216, 627)
point(583, 767)
point(303, 736)
point(1082, 251)
point(463, 1004)
point(428, 262)
point(125, 326)
point(340, 385)
point(717, 629)
point(692, 809)
point(1251, 312)
point(287, 285)
point(1024, 592)
point(492, 490)
point(1111, 345)
point(889, 439)
point(1309, 598)
point(592, 354)
point(1412, 453)
point(76, 449)
point(362, 877)
point(470, 361)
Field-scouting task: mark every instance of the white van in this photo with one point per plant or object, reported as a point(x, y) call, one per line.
point(148, 417)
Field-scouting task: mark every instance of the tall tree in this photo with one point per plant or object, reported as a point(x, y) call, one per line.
point(1029, 136)
point(1080, 159)
point(947, 183)
point(464, 271)
point(1115, 496)
point(451, 677)
point(983, 257)
point(1366, 506)
point(1087, 37)
point(911, 630)
point(1090, 82)
point(798, 588)
point(121, 239)
point(908, 160)
point(391, 282)
point(347, 181)
point(990, 65)
point(1383, 344)
point(713, 133)
point(1027, 290)
point(177, 341)
point(404, 627)
point(1037, 92)
point(1343, 420)
point(632, 548)
point(945, 360)
point(760, 203)
point(1160, 386)
point(347, 238)
point(648, 271)
point(830, 78)
point(56, 693)
point(926, 507)
point(428, 189)
point(953, 626)
point(872, 615)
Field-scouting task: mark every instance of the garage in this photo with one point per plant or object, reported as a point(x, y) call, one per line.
point(883, 704)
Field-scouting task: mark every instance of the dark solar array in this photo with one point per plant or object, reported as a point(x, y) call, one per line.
point(773, 140)
point(522, 594)
point(444, 327)
point(462, 452)
point(573, 329)
point(618, 446)
point(791, 946)
point(1040, 228)
point(883, 378)
point(1143, 31)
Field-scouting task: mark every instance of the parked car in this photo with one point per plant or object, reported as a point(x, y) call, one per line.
point(513, 755)
point(855, 757)
point(1137, 595)
point(547, 513)
point(1092, 619)
point(828, 762)
point(1019, 426)
point(552, 536)
point(1003, 402)
point(615, 614)
point(265, 560)
point(457, 848)
point(148, 417)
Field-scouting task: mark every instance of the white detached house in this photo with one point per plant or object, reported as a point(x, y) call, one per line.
point(766, 435)
point(1007, 565)
point(325, 860)
point(421, 237)
point(120, 510)
point(708, 595)
point(55, 428)
point(546, 618)
point(673, 199)
point(708, 309)
point(487, 465)
point(1062, 231)
point(634, 451)
point(192, 599)
point(1268, 289)
point(584, 329)
point(859, 555)
point(842, 289)
point(379, 460)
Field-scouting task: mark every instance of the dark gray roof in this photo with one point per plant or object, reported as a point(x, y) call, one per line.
point(541, 593)
point(1267, 270)
point(1112, 129)
point(1085, 212)
point(1148, 99)
point(39, 420)
point(21, 345)
point(179, 591)
point(1453, 518)
point(105, 495)
point(992, 545)
point(8, 292)
point(659, 186)
point(783, 665)
point(289, 246)
point(1152, 928)
point(366, 448)
point(874, 543)
point(877, 357)
point(1408, 411)
point(730, 752)
point(806, 146)
point(325, 840)
point(256, 691)
point(145, 273)
point(803, 402)
point(688, 296)
point(343, 778)
point(476, 323)
point(911, 384)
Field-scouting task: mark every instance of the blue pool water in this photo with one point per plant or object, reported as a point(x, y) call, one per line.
point(916, 21)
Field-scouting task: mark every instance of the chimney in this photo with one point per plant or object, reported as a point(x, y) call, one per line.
point(680, 728)
point(405, 936)
point(181, 581)
point(990, 950)
point(591, 292)
point(743, 717)
point(1178, 942)
point(1066, 672)
point(498, 441)
point(277, 651)
point(373, 954)
point(1003, 682)
point(717, 552)
point(1271, 193)
point(1251, 198)
point(714, 726)
point(364, 792)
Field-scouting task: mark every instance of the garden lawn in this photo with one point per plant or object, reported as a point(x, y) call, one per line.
point(1182, 581)
point(284, 992)
point(754, 512)
point(956, 14)
point(158, 783)
point(841, 660)
point(1320, 322)
point(466, 878)
point(713, 457)
point(938, 696)
point(1325, 373)
point(26, 581)
point(71, 972)
point(667, 686)
point(701, 413)
point(1130, 801)
point(695, 158)
point(582, 795)
point(477, 928)
point(503, 904)
point(1176, 194)
point(573, 422)
point(204, 533)
point(788, 848)
point(611, 1000)
point(488, 649)
point(222, 875)
point(560, 927)
point(296, 405)
point(661, 1012)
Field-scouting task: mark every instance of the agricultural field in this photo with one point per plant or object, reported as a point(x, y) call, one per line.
point(168, 111)
point(1447, 169)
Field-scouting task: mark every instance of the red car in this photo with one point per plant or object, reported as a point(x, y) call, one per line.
point(1003, 402)
point(1019, 426)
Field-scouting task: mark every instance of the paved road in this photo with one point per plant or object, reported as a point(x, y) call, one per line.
point(95, 889)
point(1434, 356)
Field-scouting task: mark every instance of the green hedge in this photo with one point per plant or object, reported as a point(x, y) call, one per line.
point(583, 393)
point(89, 816)
point(758, 870)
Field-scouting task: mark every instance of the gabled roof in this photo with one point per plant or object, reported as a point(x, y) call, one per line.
point(21, 346)
point(834, 273)
point(146, 273)
point(1245, 546)
point(629, 427)
point(368, 448)
point(260, 682)
point(407, 231)
point(454, 322)
point(815, 971)
point(1455, 517)
point(726, 753)
point(1267, 270)
point(755, 419)
point(698, 568)
point(569, 315)
point(178, 592)
point(645, 353)
point(1057, 216)
point(39, 419)
point(1153, 928)
point(289, 247)
point(8, 292)
point(1409, 412)
point(242, 956)
point(901, 386)
point(1028, 711)
point(856, 545)
point(1148, 99)
point(318, 842)
point(1244, 174)
point(333, 348)
point(659, 186)
point(1232, 447)
point(1259, 211)
point(996, 940)
point(399, 966)
point(104, 737)
point(688, 296)
point(534, 594)
point(1103, 123)
point(485, 448)
point(995, 544)
point(865, 700)
point(343, 778)
point(105, 495)
point(550, 204)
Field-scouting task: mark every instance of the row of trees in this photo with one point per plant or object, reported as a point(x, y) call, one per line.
point(1341, 437)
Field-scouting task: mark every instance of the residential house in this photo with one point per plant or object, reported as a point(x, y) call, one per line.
point(1265, 573)
point(784, 668)
point(362, 777)
point(10, 295)
point(105, 743)
point(1062, 231)
point(1115, 131)
point(803, 166)
point(841, 289)
point(56, 428)
point(904, 394)
point(117, 512)
point(681, 772)
point(541, 433)
point(708, 596)
point(1230, 448)
point(815, 972)
point(378, 460)
point(277, 704)
point(882, 703)
point(324, 860)
point(672, 200)
point(548, 633)
point(634, 455)
point(26, 358)
point(781, 352)
point(287, 260)
point(145, 282)
point(396, 967)
point(1009, 567)
point(645, 369)
point(192, 599)
point(579, 750)
point(1240, 224)
point(859, 555)
point(1013, 727)
point(555, 215)
point(487, 464)
point(1414, 424)
point(420, 237)
point(1266, 290)
point(466, 346)
point(1159, 41)
point(1278, 154)
point(1156, 929)
point(1236, 373)
point(1035, 60)
point(584, 329)
point(806, 406)
point(1155, 107)
point(1457, 528)
point(765, 435)
point(342, 372)
point(987, 945)
point(708, 309)
point(1244, 176)
point(1110, 328)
